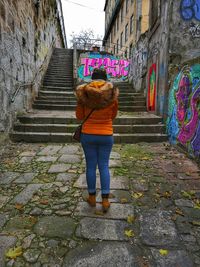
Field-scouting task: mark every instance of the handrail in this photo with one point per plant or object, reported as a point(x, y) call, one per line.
point(12, 98)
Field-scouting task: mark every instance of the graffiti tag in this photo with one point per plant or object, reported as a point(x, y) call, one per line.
point(115, 68)
point(190, 9)
point(183, 123)
point(152, 88)
point(195, 30)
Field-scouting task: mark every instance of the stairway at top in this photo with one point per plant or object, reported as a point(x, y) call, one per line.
point(53, 118)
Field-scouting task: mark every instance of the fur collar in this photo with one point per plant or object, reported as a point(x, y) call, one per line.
point(96, 94)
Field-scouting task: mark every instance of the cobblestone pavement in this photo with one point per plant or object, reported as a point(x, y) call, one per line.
point(154, 219)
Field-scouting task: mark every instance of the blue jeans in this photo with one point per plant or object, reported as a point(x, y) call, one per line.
point(97, 149)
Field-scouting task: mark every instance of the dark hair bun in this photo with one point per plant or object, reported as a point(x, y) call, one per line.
point(99, 74)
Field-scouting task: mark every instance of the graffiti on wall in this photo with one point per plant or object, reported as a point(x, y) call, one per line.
point(195, 30)
point(190, 9)
point(183, 124)
point(152, 88)
point(115, 68)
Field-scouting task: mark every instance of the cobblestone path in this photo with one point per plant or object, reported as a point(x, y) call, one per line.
point(154, 219)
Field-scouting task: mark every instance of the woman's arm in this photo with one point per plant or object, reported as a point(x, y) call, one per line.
point(115, 109)
point(80, 114)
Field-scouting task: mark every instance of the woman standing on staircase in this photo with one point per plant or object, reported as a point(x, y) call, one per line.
point(99, 99)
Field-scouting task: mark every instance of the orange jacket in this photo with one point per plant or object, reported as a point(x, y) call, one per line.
point(100, 121)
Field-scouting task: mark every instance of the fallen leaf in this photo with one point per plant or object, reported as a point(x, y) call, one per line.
point(167, 194)
point(99, 212)
point(163, 252)
point(179, 212)
point(129, 233)
point(19, 206)
point(123, 200)
point(72, 171)
point(130, 219)
point(44, 201)
point(145, 158)
point(196, 223)
point(188, 194)
point(13, 253)
point(137, 195)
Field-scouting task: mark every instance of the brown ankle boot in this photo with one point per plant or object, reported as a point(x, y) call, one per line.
point(91, 200)
point(105, 203)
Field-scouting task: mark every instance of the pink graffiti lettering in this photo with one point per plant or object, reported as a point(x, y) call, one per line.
point(114, 67)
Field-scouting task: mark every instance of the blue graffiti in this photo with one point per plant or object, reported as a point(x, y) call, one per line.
point(190, 9)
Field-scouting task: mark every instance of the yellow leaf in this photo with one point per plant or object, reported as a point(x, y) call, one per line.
point(197, 206)
point(72, 171)
point(129, 233)
point(179, 212)
point(196, 223)
point(167, 194)
point(137, 195)
point(99, 212)
point(123, 200)
point(130, 219)
point(145, 158)
point(19, 206)
point(163, 252)
point(13, 253)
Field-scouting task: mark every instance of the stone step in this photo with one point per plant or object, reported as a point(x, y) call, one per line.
point(58, 98)
point(67, 101)
point(56, 88)
point(60, 128)
point(57, 84)
point(48, 119)
point(67, 137)
point(54, 78)
point(53, 106)
point(55, 93)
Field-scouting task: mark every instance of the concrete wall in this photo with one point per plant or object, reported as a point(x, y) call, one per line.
point(117, 69)
point(28, 33)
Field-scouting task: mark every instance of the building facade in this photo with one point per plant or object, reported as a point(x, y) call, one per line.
point(125, 20)
point(28, 32)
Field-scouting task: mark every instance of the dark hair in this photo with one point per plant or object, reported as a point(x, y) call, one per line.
point(99, 74)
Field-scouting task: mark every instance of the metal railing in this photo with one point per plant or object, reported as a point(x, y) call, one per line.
point(40, 70)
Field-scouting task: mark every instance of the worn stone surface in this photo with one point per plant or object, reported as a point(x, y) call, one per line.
point(65, 177)
point(8, 177)
point(157, 229)
point(173, 258)
point(109, 254)
point(55, 168)
point(46, 159)
point(69, 159)
point(24, 196)
point(116, 182)
point(24, 178)
point(103, 229)
point(151, 209)
point(5, 243)
point(116, 211)
point(55, 227)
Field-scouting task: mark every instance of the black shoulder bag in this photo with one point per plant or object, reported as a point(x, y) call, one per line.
point(77, 134)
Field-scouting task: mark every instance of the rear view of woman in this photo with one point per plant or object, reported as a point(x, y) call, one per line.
point(100, 98)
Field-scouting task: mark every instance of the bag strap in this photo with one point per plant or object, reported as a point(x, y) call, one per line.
point(87, 116)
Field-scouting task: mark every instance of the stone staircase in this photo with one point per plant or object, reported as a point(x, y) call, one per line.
point(53, 118)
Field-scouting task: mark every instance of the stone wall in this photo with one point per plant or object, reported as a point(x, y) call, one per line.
point(138, 64)
point(28, 32)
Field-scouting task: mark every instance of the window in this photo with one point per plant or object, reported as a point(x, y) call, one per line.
point(121, 40)
point(117, 46)
point(127, 4)
point(114, 29)
point(125, 54)
point(122, 14)
point(117, 23)
point(130, 50)
point(154, 12)
point(126, 33)
point(131, 24)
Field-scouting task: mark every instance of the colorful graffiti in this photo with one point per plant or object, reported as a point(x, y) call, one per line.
point(152, 88)
point(115, 68)
point(183, 124)
point(190, 9)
